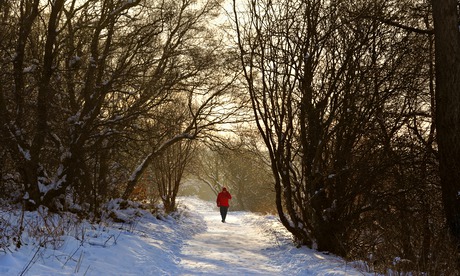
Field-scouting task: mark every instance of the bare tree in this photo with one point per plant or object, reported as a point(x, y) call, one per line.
point(208, 168)
point(447, 42)
point(169, 170)
point(332, 97)
point(243, 171)
point(168, 167)
point(82, 88)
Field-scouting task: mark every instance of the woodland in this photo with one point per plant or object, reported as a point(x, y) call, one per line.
point(342, 117)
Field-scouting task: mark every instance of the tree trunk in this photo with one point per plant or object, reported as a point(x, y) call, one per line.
point(447, 44)
point(43, 99)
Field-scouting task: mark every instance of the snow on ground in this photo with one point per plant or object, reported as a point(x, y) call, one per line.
point(250, 244)
point(198, 243)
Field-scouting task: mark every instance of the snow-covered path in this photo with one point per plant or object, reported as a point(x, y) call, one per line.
point(250, 244)
point(234, 247)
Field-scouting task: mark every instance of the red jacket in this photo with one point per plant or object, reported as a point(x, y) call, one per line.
point(223, 197)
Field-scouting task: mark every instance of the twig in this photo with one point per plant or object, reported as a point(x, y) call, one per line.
point(21, 226)
point(79, 262)
point(71, 256)
point(28, 266)
point(86, 270)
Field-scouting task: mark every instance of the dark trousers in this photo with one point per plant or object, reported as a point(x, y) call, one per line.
point(223, 212)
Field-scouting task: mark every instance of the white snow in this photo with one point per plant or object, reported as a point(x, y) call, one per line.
point(74, 60)
point(25, 152)
point(197, 243)
point(30, 69)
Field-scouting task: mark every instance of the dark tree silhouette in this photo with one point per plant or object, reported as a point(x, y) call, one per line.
point(447, 45)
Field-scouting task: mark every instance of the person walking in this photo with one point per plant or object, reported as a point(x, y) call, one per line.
point(222, 202)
